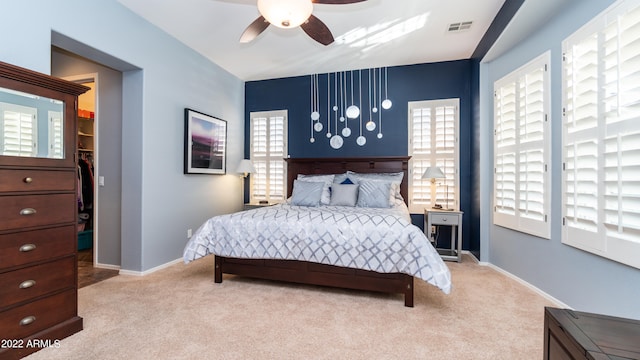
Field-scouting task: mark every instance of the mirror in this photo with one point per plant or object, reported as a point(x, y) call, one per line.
point(31, 125)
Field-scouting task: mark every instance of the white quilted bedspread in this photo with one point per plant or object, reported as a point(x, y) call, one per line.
point(382, 240)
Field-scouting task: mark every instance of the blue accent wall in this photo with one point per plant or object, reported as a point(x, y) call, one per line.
point(431, 81)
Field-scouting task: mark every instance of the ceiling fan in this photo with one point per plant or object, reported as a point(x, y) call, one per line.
point(290, 14)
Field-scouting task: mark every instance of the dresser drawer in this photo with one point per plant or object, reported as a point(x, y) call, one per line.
point(19, 211)
point(30, 318)
point(444, 219)
point(34, 281)
point(25, 247)
point(36, 180)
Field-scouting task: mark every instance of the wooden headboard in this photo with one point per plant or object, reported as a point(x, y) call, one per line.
point(318, 166)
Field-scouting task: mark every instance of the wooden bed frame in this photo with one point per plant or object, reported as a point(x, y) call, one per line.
point(320, 274)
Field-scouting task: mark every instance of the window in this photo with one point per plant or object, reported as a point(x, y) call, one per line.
point(601, 135)
point(521, 149)
point(433, 141)
point(18, 126)
point(268, 150)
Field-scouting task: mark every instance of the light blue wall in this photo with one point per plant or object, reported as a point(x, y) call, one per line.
point(584, 281)
point(159, 202)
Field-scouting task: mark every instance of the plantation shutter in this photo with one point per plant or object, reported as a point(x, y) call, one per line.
point(521, 151)
point(19, 130)
point(433, 141)
point(601, 135)
point(532, 160)
point(268, 150)
point(505, 141)
point(56, 150)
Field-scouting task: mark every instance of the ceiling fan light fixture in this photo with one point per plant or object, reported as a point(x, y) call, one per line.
point(285, 13)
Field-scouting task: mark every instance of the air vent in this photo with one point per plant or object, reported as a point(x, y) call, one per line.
point(460, 26)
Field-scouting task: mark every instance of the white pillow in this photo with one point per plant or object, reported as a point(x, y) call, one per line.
point(326, 179)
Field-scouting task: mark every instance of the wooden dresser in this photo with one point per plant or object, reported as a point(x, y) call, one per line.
point(38, 211)
point(576, 335)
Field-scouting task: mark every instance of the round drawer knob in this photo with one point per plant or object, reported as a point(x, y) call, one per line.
point(27, 247)
point(28, 180)
point(27, 320)
point(27, 284)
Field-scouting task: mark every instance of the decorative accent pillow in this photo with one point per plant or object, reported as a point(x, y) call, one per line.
point(327, 180)
point(374, 194)
point(395, 178)
point(346, 181)
point(306, 193)
point(344, 194)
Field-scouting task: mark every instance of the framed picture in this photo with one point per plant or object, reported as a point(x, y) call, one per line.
point(205, 143)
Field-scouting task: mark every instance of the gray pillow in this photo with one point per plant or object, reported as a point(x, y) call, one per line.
point(326, 179)
point(344, 194)
point(306, 193)
point(394, 177)
point(374, 194)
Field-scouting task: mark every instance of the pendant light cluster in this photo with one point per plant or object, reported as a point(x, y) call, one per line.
point(343, 108)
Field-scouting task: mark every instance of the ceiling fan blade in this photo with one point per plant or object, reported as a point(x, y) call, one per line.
point(337, 2)
point(317, 30)
point(253, 30)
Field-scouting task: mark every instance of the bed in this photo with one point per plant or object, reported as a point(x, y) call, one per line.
point(361, 270)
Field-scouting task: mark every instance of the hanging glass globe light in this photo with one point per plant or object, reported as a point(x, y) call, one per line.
point(353, 112)
point(375, 109)
point(318, 126)
point(328, 135)
point(379, 135)
point(336, 142)
point(370, 125)
point(346, 132)
point(315, 115)
point(335, 107)
point(312, 140)
point(386, 104)
point(361, 140)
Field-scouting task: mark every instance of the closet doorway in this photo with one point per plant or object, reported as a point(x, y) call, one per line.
point(105, 102)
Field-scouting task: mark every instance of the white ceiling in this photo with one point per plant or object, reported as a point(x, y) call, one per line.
point(372, 33)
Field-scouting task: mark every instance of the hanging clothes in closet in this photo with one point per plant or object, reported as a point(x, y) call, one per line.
point(85, 184)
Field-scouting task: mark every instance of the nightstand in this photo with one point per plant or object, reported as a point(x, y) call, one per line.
point(249, 206)
point(438, 217)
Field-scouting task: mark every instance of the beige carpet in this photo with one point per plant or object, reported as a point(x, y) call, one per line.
point(179, 313)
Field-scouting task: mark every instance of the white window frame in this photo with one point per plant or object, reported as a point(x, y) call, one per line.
point(275, 187)
point(438, 148)
point(521, 187)
point(25, 112)
point(601, 135)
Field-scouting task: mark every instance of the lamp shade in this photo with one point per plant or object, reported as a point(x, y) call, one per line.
point(433, 172)
point(285, 13)
point(246, 166)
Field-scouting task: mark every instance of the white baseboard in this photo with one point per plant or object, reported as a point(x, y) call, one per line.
point(557, 302)
point(106, 266)
point(152, 270)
